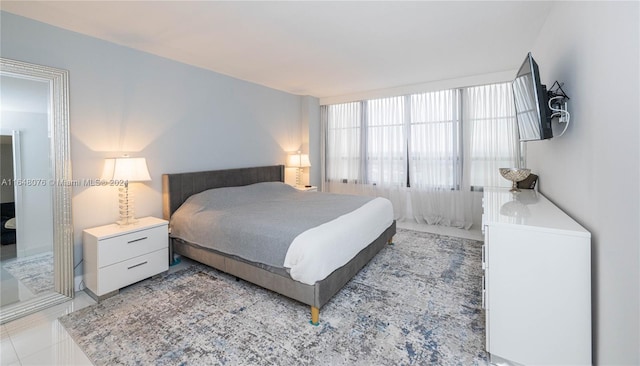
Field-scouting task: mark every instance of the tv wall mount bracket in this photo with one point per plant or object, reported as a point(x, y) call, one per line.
point(558, 104)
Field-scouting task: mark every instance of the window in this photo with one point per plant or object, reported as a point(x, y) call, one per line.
point(492, 133)
point(434, 145)
point(344, 131)
point(386, 142)
point(417, 140)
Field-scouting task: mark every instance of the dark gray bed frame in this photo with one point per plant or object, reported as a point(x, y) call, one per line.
point(176, 188)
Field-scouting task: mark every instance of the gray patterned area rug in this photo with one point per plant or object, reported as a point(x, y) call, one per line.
point(416, 303)
point(35, 272)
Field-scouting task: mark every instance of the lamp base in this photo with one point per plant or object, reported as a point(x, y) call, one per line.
point(126, 201)
point(127, 222)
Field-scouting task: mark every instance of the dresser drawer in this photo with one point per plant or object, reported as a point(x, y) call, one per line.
point(119, 248)
point(132, 270)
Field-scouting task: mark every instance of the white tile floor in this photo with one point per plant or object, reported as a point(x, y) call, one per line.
point(40, 339)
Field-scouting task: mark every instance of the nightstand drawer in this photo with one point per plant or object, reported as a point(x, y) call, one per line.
point(132, 270)
point(122, 247)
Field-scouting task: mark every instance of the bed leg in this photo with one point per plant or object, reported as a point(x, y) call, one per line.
point(390, 241)
point(315, 316)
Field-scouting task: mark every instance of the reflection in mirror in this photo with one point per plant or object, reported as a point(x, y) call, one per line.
point(36, 264)
point(7, 203)
point(26, 268)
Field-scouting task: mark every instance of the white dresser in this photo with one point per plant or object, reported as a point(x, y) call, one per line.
point(117, 256)
point(537, 281)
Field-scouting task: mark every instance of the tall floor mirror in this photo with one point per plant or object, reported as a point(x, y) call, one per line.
point(37, 230)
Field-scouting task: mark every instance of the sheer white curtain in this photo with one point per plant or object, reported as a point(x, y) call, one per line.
point(386, 142)
point(491, 127)
point(386, 151)
point(435, 160)
point(366, 149)
point(412, 150)
point(344, 161)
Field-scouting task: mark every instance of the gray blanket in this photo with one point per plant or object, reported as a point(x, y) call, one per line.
point(257, 222)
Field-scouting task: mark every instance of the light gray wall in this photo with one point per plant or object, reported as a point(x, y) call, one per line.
point(592, 171)
point(180, 118)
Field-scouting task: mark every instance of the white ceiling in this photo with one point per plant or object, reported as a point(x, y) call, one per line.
point(320, 48)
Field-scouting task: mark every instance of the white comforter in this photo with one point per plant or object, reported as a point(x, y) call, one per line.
point(319, 251)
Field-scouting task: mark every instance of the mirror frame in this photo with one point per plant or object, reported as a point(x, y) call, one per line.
point(58, 81)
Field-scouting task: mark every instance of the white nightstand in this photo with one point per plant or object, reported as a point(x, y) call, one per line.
point(117, 256)
point(306, 189)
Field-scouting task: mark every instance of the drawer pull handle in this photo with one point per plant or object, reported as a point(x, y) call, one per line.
point(484, 293)
point(133, 241)
point(138, 265)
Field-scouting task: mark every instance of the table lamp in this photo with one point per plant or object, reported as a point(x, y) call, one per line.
point(298, 161)
point(122, 171)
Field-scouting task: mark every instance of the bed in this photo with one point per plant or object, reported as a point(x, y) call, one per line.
point(180, 190)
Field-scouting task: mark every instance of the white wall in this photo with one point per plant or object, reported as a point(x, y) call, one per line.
point(592, 171)
point(179, 117)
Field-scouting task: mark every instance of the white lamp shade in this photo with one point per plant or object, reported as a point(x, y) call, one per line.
point(298, 160)
point(128, 169)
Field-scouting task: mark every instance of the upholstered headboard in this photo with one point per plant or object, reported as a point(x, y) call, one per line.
point(176, 188)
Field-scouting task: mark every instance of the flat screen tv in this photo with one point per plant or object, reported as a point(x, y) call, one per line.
point(531, 102)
